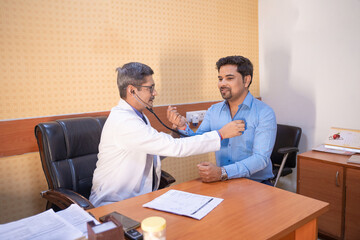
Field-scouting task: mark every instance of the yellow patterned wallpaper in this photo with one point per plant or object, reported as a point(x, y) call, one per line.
point(21, 181)
point(59, 57)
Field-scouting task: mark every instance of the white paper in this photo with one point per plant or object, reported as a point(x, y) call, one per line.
point(322, 148)
point(104, 227)
point(69, 223)
point(46, 225)
point(343, 148)
point(77, 216)
point(184, 203)
point(354, 159)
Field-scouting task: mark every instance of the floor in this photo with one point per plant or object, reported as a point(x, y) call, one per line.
point(288, 182)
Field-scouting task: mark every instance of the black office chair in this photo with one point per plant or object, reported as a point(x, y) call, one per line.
point(68, 149)
point(283, 156)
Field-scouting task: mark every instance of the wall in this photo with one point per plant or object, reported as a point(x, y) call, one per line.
point(59, 57)
point(309, 65)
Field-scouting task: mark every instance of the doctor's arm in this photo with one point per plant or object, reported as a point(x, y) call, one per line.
point(140, 137)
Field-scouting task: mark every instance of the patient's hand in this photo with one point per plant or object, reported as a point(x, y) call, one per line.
point(232, 129)
point(175, 118)
point(209, 172)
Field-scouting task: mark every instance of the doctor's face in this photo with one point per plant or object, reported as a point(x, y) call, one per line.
point(147, 91)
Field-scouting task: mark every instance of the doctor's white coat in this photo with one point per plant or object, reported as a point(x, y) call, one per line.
point(129, 149)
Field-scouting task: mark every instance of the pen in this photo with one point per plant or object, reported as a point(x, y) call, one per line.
point(202, 206)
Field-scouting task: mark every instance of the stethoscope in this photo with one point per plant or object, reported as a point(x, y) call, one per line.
point(149, 108)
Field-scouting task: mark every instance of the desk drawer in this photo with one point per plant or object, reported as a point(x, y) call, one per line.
point(324, 182)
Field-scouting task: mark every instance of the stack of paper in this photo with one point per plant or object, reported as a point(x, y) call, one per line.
point(66, 224)
point(184, 203)
point(322, 148)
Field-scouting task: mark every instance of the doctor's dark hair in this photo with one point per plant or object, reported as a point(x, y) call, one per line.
point(244, 66)
point(132, 73)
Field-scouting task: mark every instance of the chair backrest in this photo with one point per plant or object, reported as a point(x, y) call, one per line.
point(68, 150)
point(286, 136)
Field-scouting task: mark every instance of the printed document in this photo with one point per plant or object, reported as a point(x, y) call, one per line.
point(69, 223)
point(46, 225)
point(77, 216)
point(184, 203)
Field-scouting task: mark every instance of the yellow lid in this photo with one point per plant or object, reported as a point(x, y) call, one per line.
point(153, 224)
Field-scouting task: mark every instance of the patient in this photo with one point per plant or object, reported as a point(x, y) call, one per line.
point(129, 164)
point(247, 155)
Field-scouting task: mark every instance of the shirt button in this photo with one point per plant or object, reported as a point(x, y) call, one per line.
point(229, 145)
point(228, 160)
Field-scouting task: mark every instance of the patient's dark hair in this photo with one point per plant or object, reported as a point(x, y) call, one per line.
point(132, 73)
point(244, 66)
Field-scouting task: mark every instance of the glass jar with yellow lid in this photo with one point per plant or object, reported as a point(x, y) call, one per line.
point(154, 228)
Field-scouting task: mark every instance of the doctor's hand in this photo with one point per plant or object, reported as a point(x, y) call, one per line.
point(209, 172)
point(232, 129)
point(175, 118)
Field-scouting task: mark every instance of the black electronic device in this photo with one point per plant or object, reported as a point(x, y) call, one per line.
point(127, 223)
point(133, 234)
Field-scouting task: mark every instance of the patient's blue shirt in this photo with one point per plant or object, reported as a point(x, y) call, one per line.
point(247, 155)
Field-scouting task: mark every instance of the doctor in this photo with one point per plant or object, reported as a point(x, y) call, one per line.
point(129, 146)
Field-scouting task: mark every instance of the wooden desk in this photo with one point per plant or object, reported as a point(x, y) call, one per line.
point(328, 177)
point(250, 210)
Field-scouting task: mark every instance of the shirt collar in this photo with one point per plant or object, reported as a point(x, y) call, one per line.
point(247, 101)
point(137, 112)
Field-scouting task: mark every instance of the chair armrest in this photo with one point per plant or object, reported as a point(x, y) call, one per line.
point(63, 198)
point(279, 171)
point(287, 150)
point(166, 179)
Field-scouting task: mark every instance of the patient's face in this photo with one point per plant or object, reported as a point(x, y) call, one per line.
point(231, 83)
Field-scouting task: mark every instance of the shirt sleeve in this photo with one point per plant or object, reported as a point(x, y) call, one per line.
point(135, 134)
point(264, 140)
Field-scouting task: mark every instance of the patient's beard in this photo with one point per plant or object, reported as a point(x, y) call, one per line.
point(226, 94)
